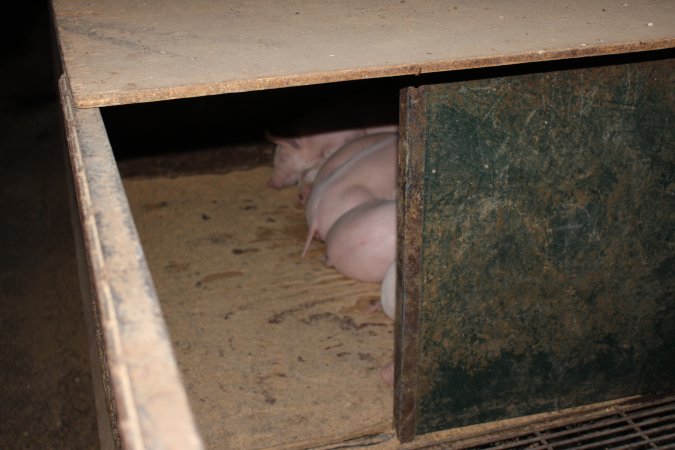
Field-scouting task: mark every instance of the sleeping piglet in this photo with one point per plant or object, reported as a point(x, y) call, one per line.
point(388, 292)
point(342, 155)
point(362, 243)
point(368, 175)
point(388, 302)
point(297, 158)
point(295, 155)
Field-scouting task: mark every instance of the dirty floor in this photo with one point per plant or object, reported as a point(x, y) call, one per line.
point(276, 350)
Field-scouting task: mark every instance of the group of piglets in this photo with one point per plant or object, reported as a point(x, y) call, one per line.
point(347, 183)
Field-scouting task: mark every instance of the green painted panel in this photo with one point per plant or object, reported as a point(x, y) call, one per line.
point(547, 250)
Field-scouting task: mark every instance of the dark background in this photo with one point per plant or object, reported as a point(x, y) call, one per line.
point(46, 398)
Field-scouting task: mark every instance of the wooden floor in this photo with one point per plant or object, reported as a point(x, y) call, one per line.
point(276, 350)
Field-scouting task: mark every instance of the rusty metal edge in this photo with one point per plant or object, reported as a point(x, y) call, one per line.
point(114, 98)
point(149, 398)
point(409, 258)
point(491, 432)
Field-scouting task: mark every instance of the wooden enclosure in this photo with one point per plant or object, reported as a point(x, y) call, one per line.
point(535, 234)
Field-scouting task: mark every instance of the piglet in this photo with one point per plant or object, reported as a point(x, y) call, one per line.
point(342, 155)
point(387, 373)
point(388, 292)
point(362, 243)
point(388, 302)
point(295, 155)
point(298, 159)
point(369, 175)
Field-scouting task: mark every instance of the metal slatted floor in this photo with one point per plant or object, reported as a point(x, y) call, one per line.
point(647, 425)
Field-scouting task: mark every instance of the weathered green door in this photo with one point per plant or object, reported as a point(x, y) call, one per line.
point(536, 250)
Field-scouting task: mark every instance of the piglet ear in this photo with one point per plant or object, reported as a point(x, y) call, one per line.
point(285, 141)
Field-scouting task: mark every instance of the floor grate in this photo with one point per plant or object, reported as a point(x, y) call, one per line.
point(643, 425)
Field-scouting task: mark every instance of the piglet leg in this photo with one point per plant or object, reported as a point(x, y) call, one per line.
point(388, 292)
point(387, 373)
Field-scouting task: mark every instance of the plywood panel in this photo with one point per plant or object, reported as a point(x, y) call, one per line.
point(125, 51)
point(143, 405)
point(543, 278)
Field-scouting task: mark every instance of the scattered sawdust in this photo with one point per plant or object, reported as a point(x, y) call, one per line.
point(275, 350)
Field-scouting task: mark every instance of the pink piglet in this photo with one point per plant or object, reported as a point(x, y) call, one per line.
point(369, 175)
point(342, 155)
point(362, 243)
point(295, 155)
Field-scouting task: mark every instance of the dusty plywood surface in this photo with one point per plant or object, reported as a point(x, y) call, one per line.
point(537, 219)
point(276, 350)
point(145, 399)
point(123, 51)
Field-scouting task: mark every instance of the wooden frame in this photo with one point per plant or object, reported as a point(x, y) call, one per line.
point(141, 402)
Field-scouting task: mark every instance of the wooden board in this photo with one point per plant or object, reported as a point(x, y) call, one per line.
point(538, 247)
point(125, 51)
point(140, 400)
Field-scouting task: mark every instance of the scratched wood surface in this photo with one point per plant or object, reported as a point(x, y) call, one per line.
point(544, 275)
point(125, 51)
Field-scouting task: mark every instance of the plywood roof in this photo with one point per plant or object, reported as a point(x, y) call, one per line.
point(128, 51)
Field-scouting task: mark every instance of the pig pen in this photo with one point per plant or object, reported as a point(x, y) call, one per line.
point(275, 350)
point(533, 182)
